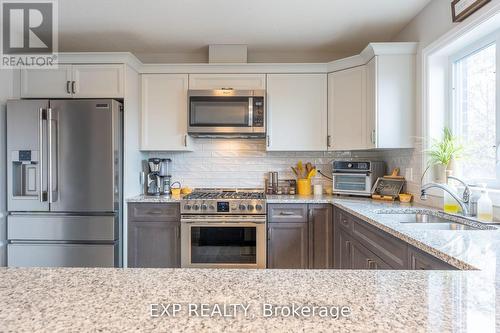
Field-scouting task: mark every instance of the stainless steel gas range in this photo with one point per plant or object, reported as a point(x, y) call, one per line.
point(223, 228)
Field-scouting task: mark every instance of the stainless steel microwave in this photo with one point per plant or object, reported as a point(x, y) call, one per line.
point(227, 112)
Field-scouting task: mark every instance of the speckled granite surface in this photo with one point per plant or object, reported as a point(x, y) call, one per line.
point(155, 198)
point(118, 300)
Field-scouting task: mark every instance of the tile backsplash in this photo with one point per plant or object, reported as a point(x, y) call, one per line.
point(245, 163)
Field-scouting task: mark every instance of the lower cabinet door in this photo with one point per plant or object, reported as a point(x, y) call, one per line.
point(287, 245)
point(320, 236)
point(362, 258)
point(154, 245)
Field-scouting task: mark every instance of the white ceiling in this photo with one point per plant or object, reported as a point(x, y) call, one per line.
point(274, 30)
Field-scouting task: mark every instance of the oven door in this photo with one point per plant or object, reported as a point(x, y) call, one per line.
point(352, 183)
point(223, 242)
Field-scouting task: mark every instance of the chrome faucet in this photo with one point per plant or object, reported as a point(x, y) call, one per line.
point(464, 202)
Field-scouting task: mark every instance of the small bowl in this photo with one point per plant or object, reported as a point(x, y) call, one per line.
point(175, 191)
point(186, 190)
point(405, 197)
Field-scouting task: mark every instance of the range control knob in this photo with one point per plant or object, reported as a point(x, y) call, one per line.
point(187, 207)
point(258, 207)
point(196, 206)
point(204, 207)
point(349, 165)
point(250, 207)
point(211, 207)
point(242, 207)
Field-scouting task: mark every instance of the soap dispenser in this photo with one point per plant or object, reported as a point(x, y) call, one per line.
point(450, 204)
point(484, 206)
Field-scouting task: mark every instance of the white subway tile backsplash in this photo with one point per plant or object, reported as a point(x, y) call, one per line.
point(245, 163)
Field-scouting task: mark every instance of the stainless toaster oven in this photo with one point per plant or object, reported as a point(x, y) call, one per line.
point(356, 177)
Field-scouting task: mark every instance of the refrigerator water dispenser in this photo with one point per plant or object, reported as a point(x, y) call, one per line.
point(25, 173)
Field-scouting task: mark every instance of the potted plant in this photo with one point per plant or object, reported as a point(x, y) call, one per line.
point(442, 155)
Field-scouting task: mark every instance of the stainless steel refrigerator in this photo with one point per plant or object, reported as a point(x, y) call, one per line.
point(64, 182)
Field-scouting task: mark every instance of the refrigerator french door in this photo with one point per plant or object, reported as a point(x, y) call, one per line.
point(64, 182)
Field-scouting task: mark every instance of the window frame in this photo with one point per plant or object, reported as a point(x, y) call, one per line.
point(450, 121)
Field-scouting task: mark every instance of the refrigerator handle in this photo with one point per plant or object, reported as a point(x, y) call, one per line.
point(52, 198)
point(41, 118)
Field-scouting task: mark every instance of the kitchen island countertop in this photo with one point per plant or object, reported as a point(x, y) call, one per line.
point(117, 300)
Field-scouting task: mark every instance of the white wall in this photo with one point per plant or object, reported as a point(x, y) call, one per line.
point(7, 91)
point(430, 24)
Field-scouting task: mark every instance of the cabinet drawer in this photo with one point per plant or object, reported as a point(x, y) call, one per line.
point(291, 213)
point(152, 212)
point(389, 249)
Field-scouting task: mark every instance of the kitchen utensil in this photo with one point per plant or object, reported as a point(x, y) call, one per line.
point(311, 173)
point(394, 174)
point(295, 171)
point(300, 168)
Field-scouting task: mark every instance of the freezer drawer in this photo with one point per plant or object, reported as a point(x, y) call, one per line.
point(60, 255)
point(61, 228)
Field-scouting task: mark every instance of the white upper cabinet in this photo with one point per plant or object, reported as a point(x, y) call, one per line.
point(297, 112)
point(164, 112)
point(347, 112)
point(73, 81)
point(46, 83)
point(98, 81)
point(234, 81)
point(391, 101)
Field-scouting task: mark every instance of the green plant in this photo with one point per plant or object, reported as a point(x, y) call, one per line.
point(444, 150)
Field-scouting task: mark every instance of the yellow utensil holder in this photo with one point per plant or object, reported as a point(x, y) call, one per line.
point(304, 186)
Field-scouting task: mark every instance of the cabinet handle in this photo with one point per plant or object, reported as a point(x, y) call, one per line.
point(268, 138)
point(287, 213)
point(185, 140)
point(348, 245)
point(73, 84)
point(154, 212)
point(371, 264)
point(67, 87)
point(269, 234)
point(328, 140)
point(373, 136)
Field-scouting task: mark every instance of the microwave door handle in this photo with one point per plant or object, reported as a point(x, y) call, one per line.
point(250, 111)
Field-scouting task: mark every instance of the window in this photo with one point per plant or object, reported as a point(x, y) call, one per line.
point(474, 115)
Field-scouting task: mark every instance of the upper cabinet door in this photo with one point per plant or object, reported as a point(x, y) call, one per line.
point(46, 83)
point(98, 81)
point(347, 109)
point(164, 112)
point(297, 112)
point(372, 104)
point(234, 81)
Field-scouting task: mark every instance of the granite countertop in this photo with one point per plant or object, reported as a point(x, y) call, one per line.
point(117, 300)
point(411, 301)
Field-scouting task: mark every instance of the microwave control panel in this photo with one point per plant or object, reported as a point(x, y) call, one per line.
point(258, 112)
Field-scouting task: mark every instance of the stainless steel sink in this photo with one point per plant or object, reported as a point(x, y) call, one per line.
point(429, 221)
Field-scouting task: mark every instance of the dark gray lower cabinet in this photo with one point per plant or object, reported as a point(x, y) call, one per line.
point(359, 245)
point(153, 235)
point(321, 236)
point(288, 245)
point(300, 236)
